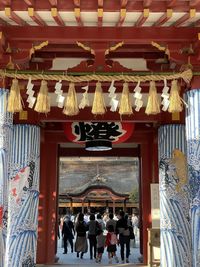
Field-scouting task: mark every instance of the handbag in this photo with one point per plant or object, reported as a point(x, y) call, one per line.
point(132, 236)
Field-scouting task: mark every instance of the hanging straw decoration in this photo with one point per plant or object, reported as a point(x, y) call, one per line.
point(125, 107)
point(14, 99)
point(43, 99)
point(175, 102)
point(98, 106)
point(71, 104)
point(153, 103)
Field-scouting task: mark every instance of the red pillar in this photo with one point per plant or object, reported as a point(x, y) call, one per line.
point(47, 232)
point(146, 178)
point(155, 170)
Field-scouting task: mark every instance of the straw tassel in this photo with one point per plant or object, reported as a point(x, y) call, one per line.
point(125, 106)
point(43, 99)
point(98, 106)
point(14, 99)
point(71, 104)
point(175, 102)
point(153, 103)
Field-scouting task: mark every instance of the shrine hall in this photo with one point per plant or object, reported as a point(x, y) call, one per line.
point(109, 79)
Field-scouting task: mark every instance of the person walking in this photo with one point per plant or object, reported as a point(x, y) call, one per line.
point(67, 233)
point(100, 245)
point(111, 244)
point(122, 228)
point(93, 228)
point(81, 240)
point(111, 221)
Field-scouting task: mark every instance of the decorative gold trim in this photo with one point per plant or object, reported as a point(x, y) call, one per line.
point(38, 47)
point(86, 48)
point(113, 48)
point(161, 48)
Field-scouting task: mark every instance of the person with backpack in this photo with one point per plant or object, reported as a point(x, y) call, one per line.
point(111, 244)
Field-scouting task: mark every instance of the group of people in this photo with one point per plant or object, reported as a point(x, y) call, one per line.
point(101, 235)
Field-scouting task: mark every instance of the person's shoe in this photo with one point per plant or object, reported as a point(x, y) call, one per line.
point(127, 260)
point(122, 261)
point(81, 255)
point(64, 252)
point(77, 255)
point(110, 261)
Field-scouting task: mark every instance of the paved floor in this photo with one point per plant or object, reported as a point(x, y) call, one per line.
point(70, 259)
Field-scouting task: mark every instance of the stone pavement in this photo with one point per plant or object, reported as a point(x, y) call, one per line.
point(70, 259)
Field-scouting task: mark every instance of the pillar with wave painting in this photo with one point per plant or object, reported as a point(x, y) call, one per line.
point(174, 197)
point(23, 197)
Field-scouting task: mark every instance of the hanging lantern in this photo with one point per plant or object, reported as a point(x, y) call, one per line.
point(43, 100)
point(153, 103)
point(98, 106)
point(125, 107)
point(71, 104)
point(175, 102)
point(14, 99)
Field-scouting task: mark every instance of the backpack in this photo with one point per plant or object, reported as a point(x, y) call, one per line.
point(113, 239)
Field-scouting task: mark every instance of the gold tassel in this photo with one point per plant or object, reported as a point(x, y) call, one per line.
point(43, 99)
point(153, 103)
point(14, 99)
point(125, 106)
point(98, 106)
point(175, 102)
point(71, 104)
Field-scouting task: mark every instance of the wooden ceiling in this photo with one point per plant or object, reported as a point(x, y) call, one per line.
point(98, 35)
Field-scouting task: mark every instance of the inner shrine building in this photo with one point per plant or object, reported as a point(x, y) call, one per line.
point(99, 78)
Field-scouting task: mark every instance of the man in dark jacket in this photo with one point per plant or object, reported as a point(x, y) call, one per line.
point(122, 229)
point(68, 233)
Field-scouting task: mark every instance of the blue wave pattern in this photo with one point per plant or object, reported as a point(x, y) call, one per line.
point(174, 203)
point(170, 137)
point(193, 156)
point(6, 123)
point(23, 197)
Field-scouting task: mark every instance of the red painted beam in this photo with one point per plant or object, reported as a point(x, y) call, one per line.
point(57, 17)
point(143, 17)
point(35, 17)
point(77, 3)
point(172, 3)
point(119, 152)
point(122, 17)
point(194, 3)
point(100, 3)
point(164, 18)
point(13, 16)
point(86, 5)
point(130, 35)
point(147, 3)
point(85, 115)
point(185, 17)
point(53, 2)
point(29, 2)
point(100, 13)
point(100, 16)
point(124, 3)
point(77, 14)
